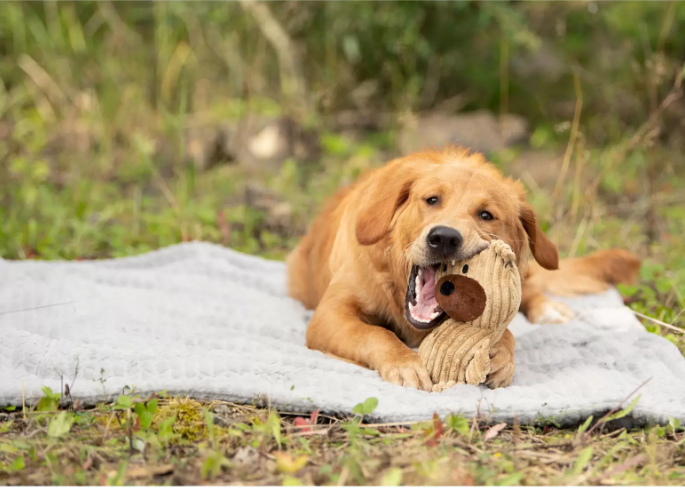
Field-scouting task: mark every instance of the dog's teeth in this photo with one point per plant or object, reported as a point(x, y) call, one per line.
point(412, 307)
point(416, 284)
point(435, 315)
point(453, 263)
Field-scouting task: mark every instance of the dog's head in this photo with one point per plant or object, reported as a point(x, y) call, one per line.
point(436, 207)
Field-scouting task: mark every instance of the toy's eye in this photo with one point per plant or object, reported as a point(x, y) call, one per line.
point(485, 215)
point(432, 200)
point(465, 269)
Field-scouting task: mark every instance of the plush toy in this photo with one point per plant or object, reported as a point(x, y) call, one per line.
point(481, 297)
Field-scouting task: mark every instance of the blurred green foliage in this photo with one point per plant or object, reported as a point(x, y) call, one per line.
point(416, 53)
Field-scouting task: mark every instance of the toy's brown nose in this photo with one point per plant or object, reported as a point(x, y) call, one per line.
point(461, 297)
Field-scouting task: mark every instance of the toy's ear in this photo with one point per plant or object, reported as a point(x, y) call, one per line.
point(544, 251)
point(388, 192)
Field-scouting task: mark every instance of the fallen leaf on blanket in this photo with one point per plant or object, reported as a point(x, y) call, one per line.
point(492, 432)
point(288, 464)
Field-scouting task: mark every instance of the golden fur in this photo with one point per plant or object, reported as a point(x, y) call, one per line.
point(353, 265)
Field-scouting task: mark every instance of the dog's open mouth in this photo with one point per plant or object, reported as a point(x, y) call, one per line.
point(421, 309)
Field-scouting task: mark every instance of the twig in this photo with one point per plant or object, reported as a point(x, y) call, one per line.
point(613, 434)
point(674, 95)
point(504, 79)
point(35, 308)
point(178, 60)
point(168, 194)
point(397, 424)
point(642, 202)
point(615, 409)
point(659, 322)
point(23, 400)
point(343, 476)
point(574, 134)
point(579, 235)
point(43, 80)
point(313, 432)
point(293, 83)
point(634, 461)
point(112, 18)
point(580, 160)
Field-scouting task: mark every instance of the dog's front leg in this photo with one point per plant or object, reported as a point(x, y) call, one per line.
point(338, 330)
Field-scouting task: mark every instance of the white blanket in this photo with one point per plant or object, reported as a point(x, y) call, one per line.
point(208, 322)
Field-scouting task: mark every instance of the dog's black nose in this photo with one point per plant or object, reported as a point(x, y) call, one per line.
point(444, 241)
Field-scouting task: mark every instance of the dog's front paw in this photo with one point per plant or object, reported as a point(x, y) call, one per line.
point(406, 369)
point(550, 312)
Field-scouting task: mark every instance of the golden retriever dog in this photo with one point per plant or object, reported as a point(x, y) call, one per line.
point(367, 264)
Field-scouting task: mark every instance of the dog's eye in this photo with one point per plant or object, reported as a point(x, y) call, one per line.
point(485, 215)
point(432, 200)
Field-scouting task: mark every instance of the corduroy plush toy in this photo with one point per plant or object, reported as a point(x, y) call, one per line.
point(481, 296)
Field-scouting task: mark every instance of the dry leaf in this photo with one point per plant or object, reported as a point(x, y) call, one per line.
point(305, 426)
point(287, 464)
point(492, 432)
point(627, 464)
point(435, 433)
point(149, 471)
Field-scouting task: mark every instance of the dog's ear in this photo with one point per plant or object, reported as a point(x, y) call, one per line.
point(544, 251)
point(386, 193)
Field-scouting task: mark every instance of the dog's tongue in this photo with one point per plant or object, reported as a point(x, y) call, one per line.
point(425, 297)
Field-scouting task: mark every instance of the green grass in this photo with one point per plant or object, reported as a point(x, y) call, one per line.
point(165, 440)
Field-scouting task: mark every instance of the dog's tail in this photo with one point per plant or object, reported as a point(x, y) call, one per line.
point(588, 274)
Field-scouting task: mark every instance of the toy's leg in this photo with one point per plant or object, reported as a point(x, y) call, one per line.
point(502, 362)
